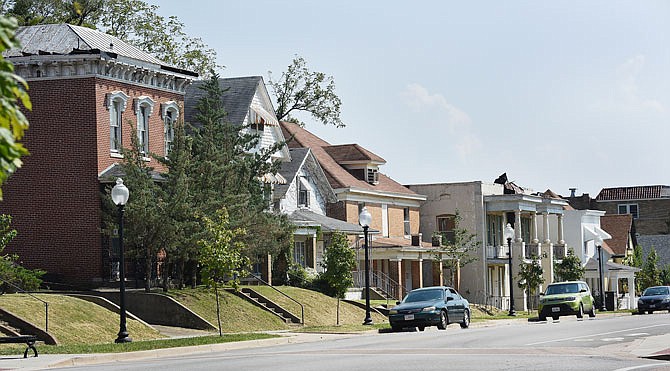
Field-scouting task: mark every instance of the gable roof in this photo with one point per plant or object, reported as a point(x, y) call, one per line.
point(328, 224)
point(619, 227)
point(303, 158)
point(66, 39)
point(238, 93)
point(337, 175)
point(634, 193)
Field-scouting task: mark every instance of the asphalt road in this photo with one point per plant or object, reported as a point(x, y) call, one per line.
point(603, 343)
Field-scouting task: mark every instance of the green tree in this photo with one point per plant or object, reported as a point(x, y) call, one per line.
point(338, 261)
point(182, 228)
point(12, 90)
point(227, 168)
point(222, 257)
point(530, 277)
point(650, 275)
point(665, 275)
point(12, 274)
point(570, 268)
point(459, 250)
point(301, 90)
point(145, 229)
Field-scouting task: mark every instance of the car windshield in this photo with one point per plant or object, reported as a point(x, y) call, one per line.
point(652, 291)
point(424, 295)
point(564, 288)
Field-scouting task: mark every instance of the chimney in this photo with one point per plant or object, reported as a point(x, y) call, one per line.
point(572, 192)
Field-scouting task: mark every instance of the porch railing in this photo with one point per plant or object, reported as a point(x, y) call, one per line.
point(380, 281)
point(496, 252)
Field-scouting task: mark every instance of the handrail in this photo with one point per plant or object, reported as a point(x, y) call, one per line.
point(302, 308)
point(46, 304)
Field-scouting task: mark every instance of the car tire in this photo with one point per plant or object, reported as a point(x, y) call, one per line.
point(444, 321)
point(542, 318)
point(592, 313)
point(555, 318)
point(580, 313)
point(650, 311)
point(466, 319)
point(421, 328)
point(640, 311)
point(396, 328)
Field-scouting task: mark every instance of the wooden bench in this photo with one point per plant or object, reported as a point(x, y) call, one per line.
point(28, 339)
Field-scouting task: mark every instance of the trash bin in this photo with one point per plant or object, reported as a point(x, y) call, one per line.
point(609, 300)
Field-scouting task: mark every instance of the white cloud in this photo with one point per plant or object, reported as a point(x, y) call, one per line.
point(628, 95)
point(458, 121)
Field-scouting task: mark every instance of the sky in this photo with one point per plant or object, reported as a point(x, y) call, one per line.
point(557, 94)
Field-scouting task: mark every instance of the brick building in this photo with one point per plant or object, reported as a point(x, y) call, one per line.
point(86, 88)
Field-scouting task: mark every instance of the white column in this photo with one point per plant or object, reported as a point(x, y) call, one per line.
point(517, 225)
point(632, 303)
point(533, 227)
point(545, 225)
point(561, 241)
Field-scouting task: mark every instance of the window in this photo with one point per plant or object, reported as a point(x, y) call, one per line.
point(170, 112)
point(373, 176)
point(299, 253)
point(116, 104)
point(494, 230)
point(408, 229)
point(303, 197)
point(629, 209)
point(256, 121)
point(445, 226)
point(143, 108)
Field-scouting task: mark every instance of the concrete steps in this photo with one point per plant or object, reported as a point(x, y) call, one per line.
point(261, 301)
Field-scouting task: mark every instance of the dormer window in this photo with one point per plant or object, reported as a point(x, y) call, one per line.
point(303, 198)
point(373, 176)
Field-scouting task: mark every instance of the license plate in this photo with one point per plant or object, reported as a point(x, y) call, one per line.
point(555, 309)
point(651, 305)
point(409, 317)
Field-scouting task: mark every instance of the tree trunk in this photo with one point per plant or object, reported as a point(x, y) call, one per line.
point(147, 270)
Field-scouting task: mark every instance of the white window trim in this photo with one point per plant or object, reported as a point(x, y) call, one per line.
point(628, 205)
point(166, 107)
point(115, 96)
point(140, 102)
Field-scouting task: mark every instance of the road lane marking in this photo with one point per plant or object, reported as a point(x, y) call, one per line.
point(595, 335)
point(612, 339)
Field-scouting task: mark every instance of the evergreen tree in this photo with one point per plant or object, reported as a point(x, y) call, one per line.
point(570, 268)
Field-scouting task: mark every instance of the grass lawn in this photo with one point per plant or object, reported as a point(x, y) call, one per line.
point(237, 314)
point(72, 320)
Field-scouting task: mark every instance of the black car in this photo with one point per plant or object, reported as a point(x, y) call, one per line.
point(654, 298)
point(430, 306)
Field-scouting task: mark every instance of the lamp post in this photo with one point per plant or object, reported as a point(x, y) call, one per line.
point(364, 219)
point(120, 196)
point(599, 243)
point(509, 234)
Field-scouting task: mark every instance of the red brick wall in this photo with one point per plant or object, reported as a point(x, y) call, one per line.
point(54, 198)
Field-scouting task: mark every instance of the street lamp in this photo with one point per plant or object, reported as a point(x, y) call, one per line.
point(120, 196)
point(364, 219)
point(509, 234)
point(599, 243)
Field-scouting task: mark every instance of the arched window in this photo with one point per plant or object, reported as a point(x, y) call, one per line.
point(116, 104)
point(169, 112)
point(144, 107)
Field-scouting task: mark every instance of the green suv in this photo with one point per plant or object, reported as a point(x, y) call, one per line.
point(566, 298)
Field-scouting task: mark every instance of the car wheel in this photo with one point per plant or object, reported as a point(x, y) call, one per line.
point(640, 311)
point(650, 311)
point(421, 328)
point(555, 318)
point(592, 313)
point(396, 328)
point(542, 318)
point(444, 321)
point(580, 313)
point(466, 319)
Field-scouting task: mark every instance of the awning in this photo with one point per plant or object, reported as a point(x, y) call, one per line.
point(273, 179)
